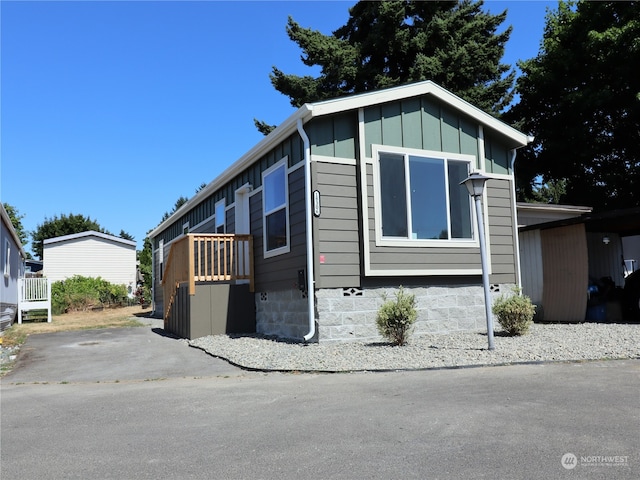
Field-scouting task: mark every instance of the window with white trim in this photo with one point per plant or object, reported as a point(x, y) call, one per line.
point(275, 208)
point(220, 216)
point(421, 197)
point(7, 258)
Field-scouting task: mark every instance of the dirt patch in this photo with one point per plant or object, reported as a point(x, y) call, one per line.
point(108, 318)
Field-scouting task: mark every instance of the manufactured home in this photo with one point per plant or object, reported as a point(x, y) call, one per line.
point(91, 254)
point(12, 261)
point(339, 206)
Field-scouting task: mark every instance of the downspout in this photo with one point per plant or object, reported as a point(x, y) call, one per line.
point(309, 221)
point(515, 210)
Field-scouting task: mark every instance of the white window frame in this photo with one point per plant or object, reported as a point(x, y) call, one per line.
point(161, 257)
point(411, 242)
point(220, 204)
point(283, 163)
point(7, 258)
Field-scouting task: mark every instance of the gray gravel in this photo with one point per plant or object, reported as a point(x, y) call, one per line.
point(544, 342)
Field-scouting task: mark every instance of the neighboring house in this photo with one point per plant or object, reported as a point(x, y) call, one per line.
point(91, 254)
point(377, 177)
point(573, 265)
point(12, 261)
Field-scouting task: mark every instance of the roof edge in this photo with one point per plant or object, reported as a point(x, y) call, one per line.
point(90, 233)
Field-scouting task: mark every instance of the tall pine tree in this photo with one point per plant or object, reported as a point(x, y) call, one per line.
point(390, 43)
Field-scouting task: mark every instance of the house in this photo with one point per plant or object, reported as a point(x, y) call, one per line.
point(91, 254)
point(340, 205)
point(574, 266)
point(12, 261)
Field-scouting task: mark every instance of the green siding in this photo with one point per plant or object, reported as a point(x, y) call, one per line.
point(431, 126)
point(496, 157)
point(334, 135)
point(412, 123)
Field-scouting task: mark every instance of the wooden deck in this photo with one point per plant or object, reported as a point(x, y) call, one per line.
point(207, 258)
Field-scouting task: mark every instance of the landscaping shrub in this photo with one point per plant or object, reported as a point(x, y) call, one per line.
point(82, 293)
point(396, 317)
point(514, 313)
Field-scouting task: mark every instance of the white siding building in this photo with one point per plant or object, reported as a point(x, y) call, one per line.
point(91, 254)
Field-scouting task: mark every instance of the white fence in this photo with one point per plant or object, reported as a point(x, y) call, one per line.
point(34, 294)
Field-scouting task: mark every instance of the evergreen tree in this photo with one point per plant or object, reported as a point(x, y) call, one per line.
point(59, 226)
point(580, 98)
point(384, 44)
point(16, 221)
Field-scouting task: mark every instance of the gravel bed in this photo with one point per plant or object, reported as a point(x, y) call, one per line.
point(543, 343)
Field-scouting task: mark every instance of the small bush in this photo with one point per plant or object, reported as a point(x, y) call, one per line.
point(396, 317)
point(514, 313)
point(82, 293)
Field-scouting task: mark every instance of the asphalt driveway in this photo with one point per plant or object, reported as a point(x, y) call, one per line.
point(111, 355)
point(133, 403)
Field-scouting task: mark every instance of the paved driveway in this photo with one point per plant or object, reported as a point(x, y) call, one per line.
point(110, 355)
point(194, 417)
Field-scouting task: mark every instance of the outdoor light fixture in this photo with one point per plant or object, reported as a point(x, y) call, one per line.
point(475, 185)
point(606, 240)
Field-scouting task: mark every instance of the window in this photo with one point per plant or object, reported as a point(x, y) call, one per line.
point(220, 217)
point(421, 197)
point(275, 209)
point(161, 257)
point(7, 258)
point(185, 228)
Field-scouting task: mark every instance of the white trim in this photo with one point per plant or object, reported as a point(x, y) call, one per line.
point(282, 163)
point(311, 110)
point(423, 272)
point(364, 213)
point(336, 160)
point(482, 161)
point(89, 233)
point(377, 196)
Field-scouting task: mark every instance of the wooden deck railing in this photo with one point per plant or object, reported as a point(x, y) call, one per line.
point(207, 258)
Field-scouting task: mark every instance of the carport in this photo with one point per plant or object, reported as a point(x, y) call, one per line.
point(574, 269)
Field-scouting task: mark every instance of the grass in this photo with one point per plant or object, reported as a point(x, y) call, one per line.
point(17, 334)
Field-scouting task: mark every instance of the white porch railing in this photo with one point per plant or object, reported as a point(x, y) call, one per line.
point(34, 294)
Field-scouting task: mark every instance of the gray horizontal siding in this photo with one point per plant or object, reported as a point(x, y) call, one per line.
point(502, 231)
point(281, 272)
point(501, 234)
point(336, 236)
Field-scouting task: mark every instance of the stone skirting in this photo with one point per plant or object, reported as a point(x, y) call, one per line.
point(349, 314)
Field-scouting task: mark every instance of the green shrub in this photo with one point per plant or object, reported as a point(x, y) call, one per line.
point(514, 313)
point(396, 317)
point(82, 293)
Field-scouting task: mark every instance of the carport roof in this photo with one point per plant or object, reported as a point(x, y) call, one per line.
point(624, 222)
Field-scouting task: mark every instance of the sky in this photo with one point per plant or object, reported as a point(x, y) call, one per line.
point(114, 110)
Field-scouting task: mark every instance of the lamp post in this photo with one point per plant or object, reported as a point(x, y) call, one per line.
point(475, 185)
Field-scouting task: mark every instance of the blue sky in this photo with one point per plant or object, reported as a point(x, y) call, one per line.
point(114, 110)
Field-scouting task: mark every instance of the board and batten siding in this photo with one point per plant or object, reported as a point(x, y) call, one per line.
point(334, 135)
point(421, 123)
point(336, 231)
point(281, 272)
point(91, 257)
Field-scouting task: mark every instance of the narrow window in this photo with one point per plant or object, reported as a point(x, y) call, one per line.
point(275, 209)
point(7, 258)
point(185, 228)
point(220, 216)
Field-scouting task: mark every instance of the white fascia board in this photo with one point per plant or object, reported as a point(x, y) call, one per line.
point(90, 233)
point(283, 130)
point(416, 89)
point(11, 230)
point(338, 105)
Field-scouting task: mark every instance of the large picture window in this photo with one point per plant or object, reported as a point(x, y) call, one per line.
point(275, 209)
point(421, 197)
